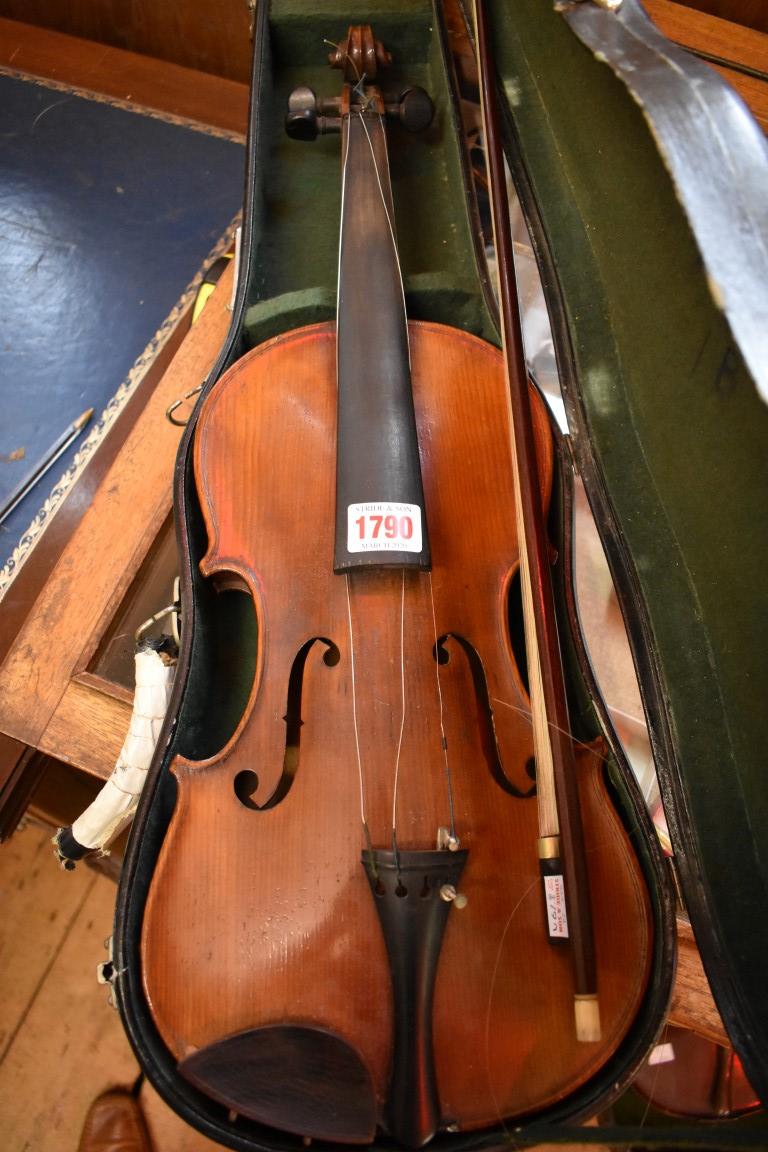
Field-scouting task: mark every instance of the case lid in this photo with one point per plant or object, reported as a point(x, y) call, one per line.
point(642, 175)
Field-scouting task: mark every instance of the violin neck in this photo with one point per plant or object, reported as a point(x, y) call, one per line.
point(380, 518)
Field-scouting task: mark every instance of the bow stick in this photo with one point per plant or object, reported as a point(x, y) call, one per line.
point(561, 836)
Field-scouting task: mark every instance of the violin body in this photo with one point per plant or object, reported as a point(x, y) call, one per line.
point(279, 925)
point(270, 997)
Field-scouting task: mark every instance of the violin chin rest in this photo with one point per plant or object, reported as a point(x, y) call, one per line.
point(298, 1079)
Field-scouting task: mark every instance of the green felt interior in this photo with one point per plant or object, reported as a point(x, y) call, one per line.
point(299, 183)
point(679, 439)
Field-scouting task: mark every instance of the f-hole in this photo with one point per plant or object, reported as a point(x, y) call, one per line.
point(517, 629)
point(485, 725)
point(246, 783)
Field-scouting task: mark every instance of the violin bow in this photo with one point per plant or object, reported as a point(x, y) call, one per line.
point(561, 845)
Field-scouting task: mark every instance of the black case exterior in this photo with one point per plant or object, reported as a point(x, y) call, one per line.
point(268, 302)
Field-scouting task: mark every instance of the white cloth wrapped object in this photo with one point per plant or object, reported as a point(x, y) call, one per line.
point(115, 804)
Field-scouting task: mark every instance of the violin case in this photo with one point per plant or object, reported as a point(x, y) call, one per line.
point(643, 179)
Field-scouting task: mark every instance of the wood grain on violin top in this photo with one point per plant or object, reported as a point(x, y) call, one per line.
point(260, 910)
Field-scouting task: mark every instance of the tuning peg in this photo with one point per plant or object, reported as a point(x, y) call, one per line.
point(305, 119)
point(414, 109)
point(301, 120)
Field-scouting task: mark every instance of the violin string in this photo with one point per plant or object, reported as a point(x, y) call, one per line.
point(349, 59)
point(390, 221)
point(443, 737)
point(585, 745)
point(657, 1069)
point(358, 88)
point(390, 225)
point(526, 714)
point(402, 724)
point(360, 775)
point(532, 887)
point(344, 166)
point(349, 604)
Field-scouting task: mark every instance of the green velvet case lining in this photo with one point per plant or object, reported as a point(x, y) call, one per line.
point(675, 439)
point(296, 255)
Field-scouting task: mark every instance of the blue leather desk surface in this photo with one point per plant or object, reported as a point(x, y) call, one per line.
point(106, 215)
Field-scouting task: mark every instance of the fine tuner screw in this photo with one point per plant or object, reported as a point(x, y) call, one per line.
point(451, 896)
point(447, 840)
point(310, 116)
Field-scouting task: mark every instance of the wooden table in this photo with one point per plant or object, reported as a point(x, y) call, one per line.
point(50, 699)
point(54, 709)
point(739, 54)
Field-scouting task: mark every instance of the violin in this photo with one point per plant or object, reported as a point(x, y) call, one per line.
point(347, 931)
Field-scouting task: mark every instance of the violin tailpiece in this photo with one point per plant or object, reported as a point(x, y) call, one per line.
point(413, 891)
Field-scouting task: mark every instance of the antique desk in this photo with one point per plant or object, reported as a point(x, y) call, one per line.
point(65, 696)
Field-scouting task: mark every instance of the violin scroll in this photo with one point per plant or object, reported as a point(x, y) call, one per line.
point(361, 57)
